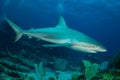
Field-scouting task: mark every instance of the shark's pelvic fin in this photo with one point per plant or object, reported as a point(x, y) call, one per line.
point(62, 23)
point(17, 29)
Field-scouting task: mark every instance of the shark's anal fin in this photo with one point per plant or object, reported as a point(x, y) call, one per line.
point(56, 45)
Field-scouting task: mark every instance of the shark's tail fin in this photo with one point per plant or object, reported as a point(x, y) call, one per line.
point(19, 32)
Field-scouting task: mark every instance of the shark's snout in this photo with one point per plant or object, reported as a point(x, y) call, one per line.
point(101, 49)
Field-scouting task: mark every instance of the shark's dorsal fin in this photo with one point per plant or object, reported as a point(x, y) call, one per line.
point(62, 23)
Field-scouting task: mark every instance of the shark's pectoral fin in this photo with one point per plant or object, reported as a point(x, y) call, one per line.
point(56, 45)
point(29, 37)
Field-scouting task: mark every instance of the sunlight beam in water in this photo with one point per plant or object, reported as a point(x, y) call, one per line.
point(6, 3)
point(60, 8)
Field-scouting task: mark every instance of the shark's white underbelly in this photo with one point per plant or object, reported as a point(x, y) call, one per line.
point(57, 41)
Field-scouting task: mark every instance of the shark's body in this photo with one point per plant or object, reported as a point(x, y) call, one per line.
point(60, 35)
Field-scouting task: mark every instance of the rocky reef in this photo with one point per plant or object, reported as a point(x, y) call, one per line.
point(18, 67)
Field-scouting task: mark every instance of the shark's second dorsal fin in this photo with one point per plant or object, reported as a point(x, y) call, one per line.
point(62, 23)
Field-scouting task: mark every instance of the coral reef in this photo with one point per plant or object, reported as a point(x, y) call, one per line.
point(115, 61)
point(40, 71)
point(111, 75)
point(91, 70)
point(16, 67)
point(58, 62)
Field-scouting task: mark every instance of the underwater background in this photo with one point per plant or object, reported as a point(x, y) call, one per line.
point(99, 19)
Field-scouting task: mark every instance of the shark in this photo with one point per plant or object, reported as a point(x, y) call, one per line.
point(60, 36)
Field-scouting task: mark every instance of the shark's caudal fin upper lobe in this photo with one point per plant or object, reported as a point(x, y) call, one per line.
point(17, 29)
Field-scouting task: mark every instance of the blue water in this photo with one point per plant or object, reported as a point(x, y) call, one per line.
point(99, 19)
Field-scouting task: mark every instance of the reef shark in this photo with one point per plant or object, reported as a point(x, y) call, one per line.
point(60, 35)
